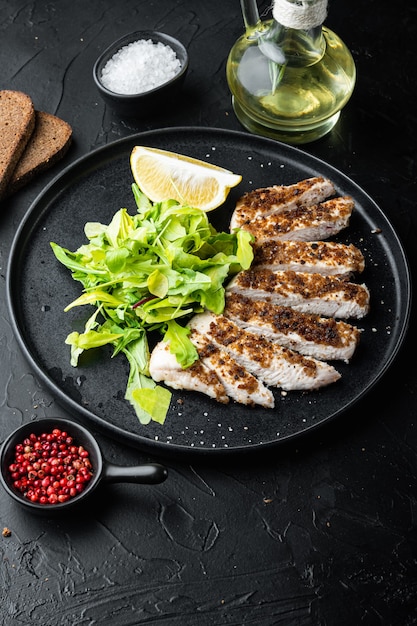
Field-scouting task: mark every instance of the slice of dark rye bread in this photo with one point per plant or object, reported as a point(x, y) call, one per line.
point(49, 142)
point(17, 122)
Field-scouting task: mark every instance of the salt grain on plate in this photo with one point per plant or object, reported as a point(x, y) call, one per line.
point(140, 66)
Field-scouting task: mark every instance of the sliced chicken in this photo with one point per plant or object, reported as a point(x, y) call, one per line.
point(271, 363)
point(239, 383)
point(330, 296)
point(304, 223)
point(164, 367)
point(322, 257)
point(278, 198)
point(320, 337)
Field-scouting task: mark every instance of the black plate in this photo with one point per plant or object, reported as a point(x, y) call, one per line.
point(93, 189)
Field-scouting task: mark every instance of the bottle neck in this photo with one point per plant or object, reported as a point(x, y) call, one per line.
point(297, 30)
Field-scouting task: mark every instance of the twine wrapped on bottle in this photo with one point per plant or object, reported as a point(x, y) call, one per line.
point(300, 14)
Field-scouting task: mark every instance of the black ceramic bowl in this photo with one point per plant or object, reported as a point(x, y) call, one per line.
point(147, 102)
point(103, 471)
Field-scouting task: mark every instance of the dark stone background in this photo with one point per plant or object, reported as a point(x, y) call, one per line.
point(322, 532)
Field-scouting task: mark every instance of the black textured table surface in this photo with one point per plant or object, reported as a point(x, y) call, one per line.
point(321, 531)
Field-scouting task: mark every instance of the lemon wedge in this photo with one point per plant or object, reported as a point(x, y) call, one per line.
point(163, 175)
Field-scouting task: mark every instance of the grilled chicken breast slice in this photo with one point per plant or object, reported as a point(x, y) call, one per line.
point(304, 223)
point(271, 363)
point(164, 367)
point(312, 335)
point(330, 296)
point(240, 384)
point(278, 198)
point(322, 257)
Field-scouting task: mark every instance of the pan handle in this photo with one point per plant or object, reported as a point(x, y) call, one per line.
point(151, 473)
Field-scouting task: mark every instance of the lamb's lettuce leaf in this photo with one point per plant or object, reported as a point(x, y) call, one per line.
point(150, 272)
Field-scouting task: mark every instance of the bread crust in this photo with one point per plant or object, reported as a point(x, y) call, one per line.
point(17, 123)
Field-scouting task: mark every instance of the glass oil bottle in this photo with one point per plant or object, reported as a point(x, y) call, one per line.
point(290, 80)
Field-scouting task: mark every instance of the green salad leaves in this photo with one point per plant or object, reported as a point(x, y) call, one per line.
point(150, 272)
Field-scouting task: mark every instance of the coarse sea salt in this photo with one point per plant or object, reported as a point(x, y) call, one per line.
point(140, 66)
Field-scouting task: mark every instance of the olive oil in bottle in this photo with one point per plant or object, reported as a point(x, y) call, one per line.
point(289, 83)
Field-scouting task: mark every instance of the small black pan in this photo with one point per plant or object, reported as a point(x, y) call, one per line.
point(103, 471)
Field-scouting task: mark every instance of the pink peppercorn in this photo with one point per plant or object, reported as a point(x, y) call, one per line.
point(50, 468)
